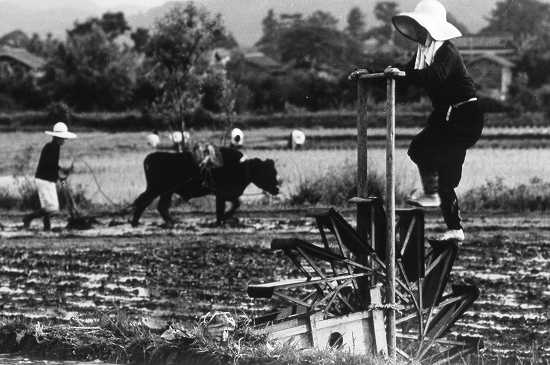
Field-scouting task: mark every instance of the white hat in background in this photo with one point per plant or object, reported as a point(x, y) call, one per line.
point(153, 140)
point(61, 130)
point(431, 15)
point(237, 137)
point(176, 137)
point(298, 137)
point(186, 137)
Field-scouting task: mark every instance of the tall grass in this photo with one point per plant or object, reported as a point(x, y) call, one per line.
point(337, 186)
point(495, 195)
point(118, 339)
point(21, 193)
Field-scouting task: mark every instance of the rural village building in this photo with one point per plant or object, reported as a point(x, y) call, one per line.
point(490, 60)
point(15, 60)
point(262, 62)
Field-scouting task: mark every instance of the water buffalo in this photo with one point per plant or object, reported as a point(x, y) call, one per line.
point(178, 173)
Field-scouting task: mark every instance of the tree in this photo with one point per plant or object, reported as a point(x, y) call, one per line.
point(177, 51)
point(43, 47)
point(384, 11)
point(91, 72)
point(270, 35)
point(322, 19)
point(113, 24)
point(140, 37)
point(523, 19)
point(356, 26)
point(529, 23)
point(312, 46)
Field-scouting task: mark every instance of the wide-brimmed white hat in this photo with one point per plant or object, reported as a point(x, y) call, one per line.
point(431, 15)
point(237, 137)
point(60, 130)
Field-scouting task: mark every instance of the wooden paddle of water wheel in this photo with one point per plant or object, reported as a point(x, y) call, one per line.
point(336, 300)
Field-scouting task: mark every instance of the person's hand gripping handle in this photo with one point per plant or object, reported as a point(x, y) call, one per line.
point(393, 72)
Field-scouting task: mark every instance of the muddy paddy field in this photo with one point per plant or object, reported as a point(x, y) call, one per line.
point(161, 276)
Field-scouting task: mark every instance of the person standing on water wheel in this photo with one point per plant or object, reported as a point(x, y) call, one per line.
point(456, 121)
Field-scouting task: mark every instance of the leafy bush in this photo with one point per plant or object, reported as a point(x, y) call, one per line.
point(336, 187)
point(59, 112)
point(495, 195)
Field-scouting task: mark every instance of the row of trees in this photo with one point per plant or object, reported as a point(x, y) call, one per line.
point(104, 65)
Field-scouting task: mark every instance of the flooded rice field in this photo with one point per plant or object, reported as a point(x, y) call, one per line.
point(15, 360)
point(163, 275)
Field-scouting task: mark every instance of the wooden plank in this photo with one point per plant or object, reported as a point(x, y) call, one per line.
point(295, 283)
point(379, 329)
point(390, 215)
point(352, 332)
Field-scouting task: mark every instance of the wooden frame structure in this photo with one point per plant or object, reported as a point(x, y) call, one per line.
point(342, 274)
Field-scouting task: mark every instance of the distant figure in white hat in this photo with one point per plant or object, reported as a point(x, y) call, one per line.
point(237, 138)
point(153, 139)
point(297, 139)
point(180, 140)
point(456, 122)
point(47, 174)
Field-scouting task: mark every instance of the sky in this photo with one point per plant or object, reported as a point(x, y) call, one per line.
point(133, 3)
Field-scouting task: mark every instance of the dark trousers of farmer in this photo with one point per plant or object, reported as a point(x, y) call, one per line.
point(439, 151)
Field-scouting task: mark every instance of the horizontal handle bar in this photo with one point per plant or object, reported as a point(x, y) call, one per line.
point(380, 75)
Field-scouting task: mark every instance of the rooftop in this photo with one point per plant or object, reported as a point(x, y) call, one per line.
point(23, 56)
point(503, 41)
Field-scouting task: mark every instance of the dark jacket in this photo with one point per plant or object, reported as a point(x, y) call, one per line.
point(446, 80)
point(48, 165)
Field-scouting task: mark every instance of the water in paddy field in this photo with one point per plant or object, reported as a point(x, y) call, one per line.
point(181, 274)
point(11, 360)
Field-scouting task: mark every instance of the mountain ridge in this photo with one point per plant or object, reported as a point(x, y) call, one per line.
point(242, 17)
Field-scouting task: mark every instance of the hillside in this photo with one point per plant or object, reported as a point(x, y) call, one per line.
point(242, 17)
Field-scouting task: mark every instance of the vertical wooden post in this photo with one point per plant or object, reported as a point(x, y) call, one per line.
point(362, 164)
point(362, 188)
point(390, 214)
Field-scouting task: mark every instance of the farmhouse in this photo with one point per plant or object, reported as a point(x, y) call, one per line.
point(490, 59)
point(17, 61)
point(262, 62)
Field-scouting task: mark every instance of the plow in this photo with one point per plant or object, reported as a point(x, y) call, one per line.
point(380, 288)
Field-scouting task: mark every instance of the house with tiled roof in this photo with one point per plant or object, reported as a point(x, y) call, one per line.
point(490, 60)
point(261, 61)
point(18, 60)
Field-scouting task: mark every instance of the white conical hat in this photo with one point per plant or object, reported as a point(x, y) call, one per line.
point(61, 130)
point(431, 15)
point(298, 137)
point(237, 137)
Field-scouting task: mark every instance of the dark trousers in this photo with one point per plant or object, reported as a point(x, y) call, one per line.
point(441, 148)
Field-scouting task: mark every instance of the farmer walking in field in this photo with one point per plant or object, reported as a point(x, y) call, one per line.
point(456, 121)
point(47, 174)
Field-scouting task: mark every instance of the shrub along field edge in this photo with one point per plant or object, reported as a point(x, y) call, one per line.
point(137, 121)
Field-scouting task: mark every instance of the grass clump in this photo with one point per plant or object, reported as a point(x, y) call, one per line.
point(337, 186)
point(121, 340)
point(22, 195)
point(495, 195)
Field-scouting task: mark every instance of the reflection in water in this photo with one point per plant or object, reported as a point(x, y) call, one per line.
point(14, 360)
